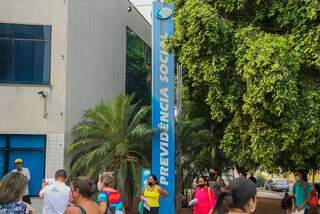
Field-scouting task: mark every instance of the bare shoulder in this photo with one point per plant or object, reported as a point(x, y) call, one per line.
point(93, 208)
point(72, 210)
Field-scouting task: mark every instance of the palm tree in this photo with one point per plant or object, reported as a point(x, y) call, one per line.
point(113, 136)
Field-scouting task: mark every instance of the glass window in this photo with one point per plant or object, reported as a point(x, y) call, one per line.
point(2, 164)
point(138, 68)
point(31, 149)
point(6, 53)
point(25, 53)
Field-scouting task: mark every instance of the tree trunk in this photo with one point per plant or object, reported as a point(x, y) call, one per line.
point(313, 175)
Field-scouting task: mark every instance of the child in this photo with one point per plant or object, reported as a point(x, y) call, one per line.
point(108, 199)
point(286, 203)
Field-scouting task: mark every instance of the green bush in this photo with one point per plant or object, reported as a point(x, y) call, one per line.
point(261, 180)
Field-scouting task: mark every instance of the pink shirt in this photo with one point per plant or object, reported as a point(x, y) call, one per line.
point(205, 201)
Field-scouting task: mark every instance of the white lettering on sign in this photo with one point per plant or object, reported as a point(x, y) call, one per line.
point(164, 113)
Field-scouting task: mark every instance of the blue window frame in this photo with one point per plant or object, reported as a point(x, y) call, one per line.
point(31, 149)
point(25, 54)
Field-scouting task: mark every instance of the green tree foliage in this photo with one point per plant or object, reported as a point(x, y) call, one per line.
point(112, 137)
point(259, 63)
point(196, 149)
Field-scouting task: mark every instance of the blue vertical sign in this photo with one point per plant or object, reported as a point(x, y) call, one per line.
point(163, 141)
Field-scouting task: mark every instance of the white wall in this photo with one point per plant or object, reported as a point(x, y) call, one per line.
point(136, 22)
point(21, 107)
point(97, 52)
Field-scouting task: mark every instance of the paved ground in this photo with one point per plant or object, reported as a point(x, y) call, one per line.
point(268, 206)
point(262, 193)
point(265, 206)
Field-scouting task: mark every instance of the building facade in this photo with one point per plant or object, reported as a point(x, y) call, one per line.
point(58, 58)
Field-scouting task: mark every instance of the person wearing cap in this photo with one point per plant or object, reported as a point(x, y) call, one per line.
point(25, 172)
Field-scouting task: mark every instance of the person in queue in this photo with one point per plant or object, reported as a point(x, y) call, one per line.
point(109, 199)
point(204, 197)
point(12, 189)
point(240, 197)
point(215, 181)
point(301, 193)
point(151, 196)
point(25, 171)
point(81, 191)
point(56, 194)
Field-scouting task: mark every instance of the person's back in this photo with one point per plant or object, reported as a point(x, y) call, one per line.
point(109, 199)
point(88, 207)
point(239, 197)
point(12, 187)
point(14, 208)
point(56, 198)
point(55, 195)
point(81, 192)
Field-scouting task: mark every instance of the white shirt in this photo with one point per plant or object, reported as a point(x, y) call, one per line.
point(25, 172)
point(56, 198)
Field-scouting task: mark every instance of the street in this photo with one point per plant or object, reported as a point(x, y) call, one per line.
point(268, 203)
point(268, 206)
point(264, 206)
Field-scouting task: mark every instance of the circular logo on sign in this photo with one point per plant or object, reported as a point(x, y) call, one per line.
point(164, 13)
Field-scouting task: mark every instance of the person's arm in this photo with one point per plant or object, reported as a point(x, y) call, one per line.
point(28, 174)
point(222, 186)
point(293, 197)
point(102, 207)
point(163, 192)
point(30, 209)
point(212, 200)
point(43, 189)
point(142, 198)
point(102, 202)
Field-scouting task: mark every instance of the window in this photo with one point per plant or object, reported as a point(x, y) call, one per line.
point(25, 52)
point(138, 74)
point(31, 149)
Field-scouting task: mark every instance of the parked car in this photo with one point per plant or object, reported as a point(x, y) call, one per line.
point(277, 185)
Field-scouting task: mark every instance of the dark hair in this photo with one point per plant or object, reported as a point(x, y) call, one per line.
point(154, 177)
point(61, 174)
point(304, 174)
point(205, 178)
point(237, 194)
point(12, 187)
point(214, 168)
point(85, 187)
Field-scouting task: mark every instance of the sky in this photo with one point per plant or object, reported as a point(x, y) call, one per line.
point(144, 6)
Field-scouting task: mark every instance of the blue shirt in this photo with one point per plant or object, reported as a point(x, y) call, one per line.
point(13, 208)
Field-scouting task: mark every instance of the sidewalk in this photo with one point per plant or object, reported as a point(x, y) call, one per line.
point(268, 206)
point(270, 194)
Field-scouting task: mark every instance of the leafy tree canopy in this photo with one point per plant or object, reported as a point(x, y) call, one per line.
point(259, 62)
